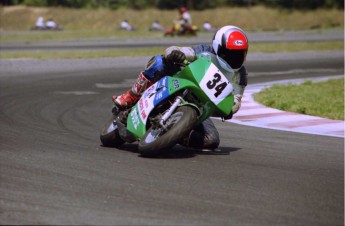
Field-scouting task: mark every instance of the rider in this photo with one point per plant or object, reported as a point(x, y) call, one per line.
point(230, 45)
point(185, 19)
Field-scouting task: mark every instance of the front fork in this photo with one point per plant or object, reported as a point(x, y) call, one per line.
point(172, 109)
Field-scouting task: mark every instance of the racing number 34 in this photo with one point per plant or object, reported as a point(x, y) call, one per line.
point(214, 84)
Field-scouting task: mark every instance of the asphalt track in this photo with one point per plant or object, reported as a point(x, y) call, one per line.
point(55, 171)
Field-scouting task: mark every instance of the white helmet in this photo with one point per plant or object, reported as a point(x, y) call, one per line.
point(230, 44)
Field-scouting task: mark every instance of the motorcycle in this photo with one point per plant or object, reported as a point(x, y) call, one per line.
point(179, 30)
point(169, 109)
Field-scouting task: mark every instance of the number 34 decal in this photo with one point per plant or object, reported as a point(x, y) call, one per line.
point(216, 84)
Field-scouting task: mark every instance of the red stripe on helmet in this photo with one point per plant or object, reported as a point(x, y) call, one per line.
point(237, 40)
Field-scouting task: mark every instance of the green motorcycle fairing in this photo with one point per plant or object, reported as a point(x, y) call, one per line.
point(201, 77)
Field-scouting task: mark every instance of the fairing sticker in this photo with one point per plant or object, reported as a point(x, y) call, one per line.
point(135, 119)
point(162, 90)
point(215, 85)
point(151, 97)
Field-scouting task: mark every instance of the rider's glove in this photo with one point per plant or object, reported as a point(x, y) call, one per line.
point(237, 103)
point(235, 107)
point(176, 56)
point(229, 116)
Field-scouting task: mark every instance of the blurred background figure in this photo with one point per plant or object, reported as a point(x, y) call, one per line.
point(183, 25)
point(50, 24)
point(40, 23)
point(185, 18)
point(208, 27)
point(156, 26)
point(126, 26)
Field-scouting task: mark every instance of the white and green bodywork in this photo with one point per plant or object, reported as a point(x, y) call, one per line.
point(202, 78)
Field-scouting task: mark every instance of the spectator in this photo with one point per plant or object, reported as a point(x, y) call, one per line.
point(40, 23)
point(156, 26)
point(51, 25)
point(126, 26)
point(208, 27)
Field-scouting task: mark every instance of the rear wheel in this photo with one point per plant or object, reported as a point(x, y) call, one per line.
point(157, 140)
point(110, 134)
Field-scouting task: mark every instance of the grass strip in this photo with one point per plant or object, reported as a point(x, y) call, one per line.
point(35, 36)
point(83, 54)
point(323, 99)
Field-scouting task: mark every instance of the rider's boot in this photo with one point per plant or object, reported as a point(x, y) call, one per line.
point(203, 136)
point(130, 98)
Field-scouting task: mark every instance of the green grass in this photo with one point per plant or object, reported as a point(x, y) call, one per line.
point(83, 54)
point(323, 99)
point(35, 36)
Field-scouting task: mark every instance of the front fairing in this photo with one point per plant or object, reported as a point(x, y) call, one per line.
point(214, 87)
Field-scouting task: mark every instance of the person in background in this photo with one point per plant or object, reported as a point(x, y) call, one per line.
point(208, 27)
point(40, 23)
point(185, 18)
point(51, 25)
point(156, 26)
point(126, 26)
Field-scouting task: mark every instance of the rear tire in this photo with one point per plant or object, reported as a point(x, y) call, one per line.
point(156, 141)
point(110, 134)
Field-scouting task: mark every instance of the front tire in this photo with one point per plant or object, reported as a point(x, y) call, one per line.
point(110, 134)
point(156, 140)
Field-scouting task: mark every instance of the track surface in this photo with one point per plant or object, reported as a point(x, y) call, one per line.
point(54, 170)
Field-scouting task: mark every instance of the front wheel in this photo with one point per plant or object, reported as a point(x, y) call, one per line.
point(157, 140)
point(110, 134)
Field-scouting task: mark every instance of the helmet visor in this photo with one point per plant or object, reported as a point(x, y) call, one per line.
point(235, 58)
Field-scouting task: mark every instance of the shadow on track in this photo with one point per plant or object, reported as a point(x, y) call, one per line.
point(177, 152)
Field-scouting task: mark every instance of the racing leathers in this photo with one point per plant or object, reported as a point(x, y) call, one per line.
point(204, 135)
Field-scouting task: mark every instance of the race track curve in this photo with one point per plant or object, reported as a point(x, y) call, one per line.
point(55, 171)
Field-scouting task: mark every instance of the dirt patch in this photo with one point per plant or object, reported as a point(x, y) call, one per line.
point(17, 9)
